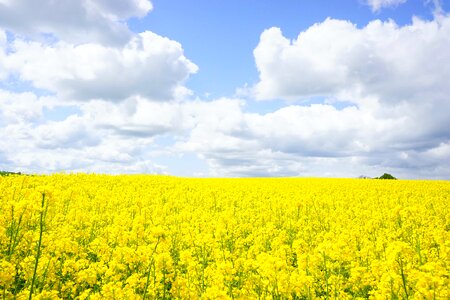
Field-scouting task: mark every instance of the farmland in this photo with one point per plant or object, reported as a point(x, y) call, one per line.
point(159, 237)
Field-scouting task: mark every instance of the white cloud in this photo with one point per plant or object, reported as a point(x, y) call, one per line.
point(316, 140)
point(410, 140)
point(20, 107)
point(73, 144)
point(377, 5)
point(440, 152)
point(3, 39)
point(135, 117)
point(382, 59)
point(148, 65)
point(138, 117)
point(3, 44)
point(78, 21)
point(83, 50)
point(120, 9)
point(281, 143)
point(73, 132)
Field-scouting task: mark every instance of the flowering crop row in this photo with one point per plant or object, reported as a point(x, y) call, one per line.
point(157, 237)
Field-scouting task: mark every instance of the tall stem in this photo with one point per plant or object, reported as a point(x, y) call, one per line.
point(149, 269)
point(38, 254)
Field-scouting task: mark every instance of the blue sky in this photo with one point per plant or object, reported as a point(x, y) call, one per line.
point(226, 88)
point(219, 36)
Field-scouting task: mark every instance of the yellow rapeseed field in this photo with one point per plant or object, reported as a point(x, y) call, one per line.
point(158, 237)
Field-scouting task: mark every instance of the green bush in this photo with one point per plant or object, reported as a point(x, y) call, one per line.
point(6, 173)
point(386, 176)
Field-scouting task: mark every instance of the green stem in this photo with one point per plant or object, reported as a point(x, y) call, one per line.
point(45, 275)
point(164, 281)
point(403, 279)
point(38, 254)
point(150, 268)
point(326, 275)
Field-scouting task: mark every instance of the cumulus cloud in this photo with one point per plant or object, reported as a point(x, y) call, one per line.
point(20, 107)
point(73, 132)
point(280, 143)
point(381, 59)
point(141, 118)
point(90, 54)
point(377, 5)
point(78, 21)
point(148, 65)
point(73, 160)
point(396, 79)
point(410, 141)
point(83, 54)
point(321, 140)
point(73, 144)
point(134, 117)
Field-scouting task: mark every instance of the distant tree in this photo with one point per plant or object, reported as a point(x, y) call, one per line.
point(386, 176)
point(6, 173)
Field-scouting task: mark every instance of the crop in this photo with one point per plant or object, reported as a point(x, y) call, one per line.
point(158, 237)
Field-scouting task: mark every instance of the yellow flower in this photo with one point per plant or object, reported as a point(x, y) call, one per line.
point(120, 237)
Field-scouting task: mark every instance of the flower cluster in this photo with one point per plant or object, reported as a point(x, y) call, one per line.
point(159, 237)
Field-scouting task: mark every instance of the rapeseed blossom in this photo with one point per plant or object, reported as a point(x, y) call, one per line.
point(161, 237)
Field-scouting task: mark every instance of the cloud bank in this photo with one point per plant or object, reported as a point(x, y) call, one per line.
point(94, 96)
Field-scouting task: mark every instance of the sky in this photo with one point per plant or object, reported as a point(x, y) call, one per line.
point(214, 88)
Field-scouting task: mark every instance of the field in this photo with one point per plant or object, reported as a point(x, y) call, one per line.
point(158, 237)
